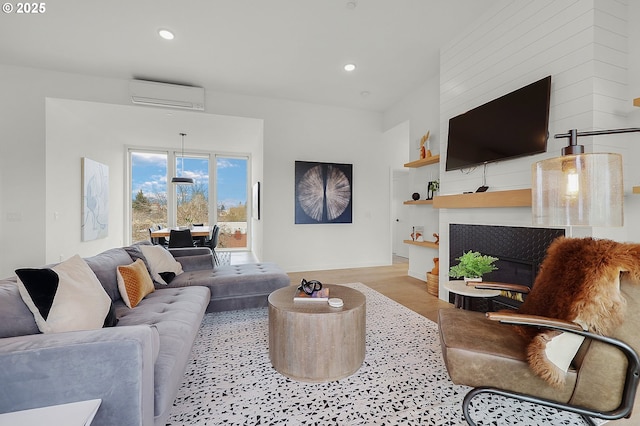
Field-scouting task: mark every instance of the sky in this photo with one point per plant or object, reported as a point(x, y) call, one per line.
point(149, 173)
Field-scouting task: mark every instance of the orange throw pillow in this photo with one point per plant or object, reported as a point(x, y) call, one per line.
point(134, 283)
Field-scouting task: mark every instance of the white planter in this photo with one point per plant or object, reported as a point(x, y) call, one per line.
point(478, 279)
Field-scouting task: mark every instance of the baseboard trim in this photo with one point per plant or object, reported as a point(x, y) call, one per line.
point(418, 275)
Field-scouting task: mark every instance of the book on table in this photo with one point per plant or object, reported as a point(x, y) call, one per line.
point(321, 295)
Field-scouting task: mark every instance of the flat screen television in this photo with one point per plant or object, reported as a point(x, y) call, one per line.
point(511, 126)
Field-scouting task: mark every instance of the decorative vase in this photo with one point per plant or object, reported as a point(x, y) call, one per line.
point(436, 267)
point(415, 196)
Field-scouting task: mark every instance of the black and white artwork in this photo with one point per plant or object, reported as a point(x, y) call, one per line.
point(324, 192)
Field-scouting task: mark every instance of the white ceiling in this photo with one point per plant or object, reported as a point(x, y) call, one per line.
point(288, 49)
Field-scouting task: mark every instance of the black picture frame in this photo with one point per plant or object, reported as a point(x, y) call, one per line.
point(256, 201)
point(323, 192)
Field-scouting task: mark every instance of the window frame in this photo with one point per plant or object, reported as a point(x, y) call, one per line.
point(172, 156)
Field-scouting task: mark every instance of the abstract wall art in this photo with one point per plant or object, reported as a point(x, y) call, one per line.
point(95, 200)
point(323, 193)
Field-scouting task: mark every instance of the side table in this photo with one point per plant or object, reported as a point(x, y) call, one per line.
point(464, 292)
point(73, 414)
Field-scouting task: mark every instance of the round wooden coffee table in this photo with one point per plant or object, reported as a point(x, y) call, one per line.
point(310, 341)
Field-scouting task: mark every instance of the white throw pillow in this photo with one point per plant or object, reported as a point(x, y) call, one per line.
point(160, 261)
point(66, 297)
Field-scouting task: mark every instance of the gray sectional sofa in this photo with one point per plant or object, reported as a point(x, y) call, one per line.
point(137, 366)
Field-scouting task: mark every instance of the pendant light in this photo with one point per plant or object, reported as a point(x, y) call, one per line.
point(181, 180)
point(578, 189)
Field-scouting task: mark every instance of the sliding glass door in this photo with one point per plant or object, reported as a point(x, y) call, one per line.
point(148, 193)
point(231, 201)
point(192, 201)
point(157, 203)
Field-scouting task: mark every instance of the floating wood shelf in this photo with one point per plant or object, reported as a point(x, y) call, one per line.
point(636, 102)
point(422, 243)
point(636, 189)
point(511, 198)
point(424, 162)
point(419, 202)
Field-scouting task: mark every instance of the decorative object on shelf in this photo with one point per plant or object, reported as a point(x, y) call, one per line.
point(181, 180)
point(436, 266)
point(473, 265)
point(416, 233)
point(323, 192)
point(425, 152)
point(570, 190)
point(437, 237)
point(415, 196)
point(432, 187)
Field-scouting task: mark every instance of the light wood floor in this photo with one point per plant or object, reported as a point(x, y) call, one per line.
point(392, 281)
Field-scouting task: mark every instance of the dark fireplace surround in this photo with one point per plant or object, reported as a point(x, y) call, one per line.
point(520, 251)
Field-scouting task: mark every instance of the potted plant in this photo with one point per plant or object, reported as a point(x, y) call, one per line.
point(473, 266)
point(432, 188)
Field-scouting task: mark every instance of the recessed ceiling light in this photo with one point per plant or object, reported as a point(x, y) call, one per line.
point(166, 34)
point(349, 67)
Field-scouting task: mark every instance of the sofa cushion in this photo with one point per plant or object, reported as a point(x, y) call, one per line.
point(15, 317)
point(160, 262)
point(66, 297)
point(230, 285)
point(104, 266)
point(134, 251)
point(134, 283)
point(177, 314)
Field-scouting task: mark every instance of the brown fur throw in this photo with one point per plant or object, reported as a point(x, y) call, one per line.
point(579, 281)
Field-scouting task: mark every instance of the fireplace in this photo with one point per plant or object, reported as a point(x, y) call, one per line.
point(520, 250)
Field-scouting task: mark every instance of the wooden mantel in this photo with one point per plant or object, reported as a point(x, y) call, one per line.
point(510, 198)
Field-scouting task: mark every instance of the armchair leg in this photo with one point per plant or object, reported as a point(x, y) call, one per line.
point(584, 413)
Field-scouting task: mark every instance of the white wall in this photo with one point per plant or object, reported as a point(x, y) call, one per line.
point(422, 110)
point(583, 45)
point(292, 131)
point(631, 171)
point(104, 132)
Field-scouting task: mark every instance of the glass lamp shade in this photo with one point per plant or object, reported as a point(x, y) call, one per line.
point(578, 190)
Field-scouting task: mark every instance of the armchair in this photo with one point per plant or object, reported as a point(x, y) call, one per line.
point(509, 353)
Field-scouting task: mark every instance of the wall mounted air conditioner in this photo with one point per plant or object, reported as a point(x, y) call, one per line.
point(166, 95)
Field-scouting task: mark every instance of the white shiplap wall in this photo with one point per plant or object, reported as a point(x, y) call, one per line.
point(581, 44)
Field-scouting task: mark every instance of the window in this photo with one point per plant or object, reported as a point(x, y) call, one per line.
point(192, 201)
point(157, 203)
point(149, 193)
point(231, 201)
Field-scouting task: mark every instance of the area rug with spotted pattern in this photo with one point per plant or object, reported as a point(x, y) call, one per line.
point(403, 380)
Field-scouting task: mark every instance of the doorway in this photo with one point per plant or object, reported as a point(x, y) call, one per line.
point(400, 228)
